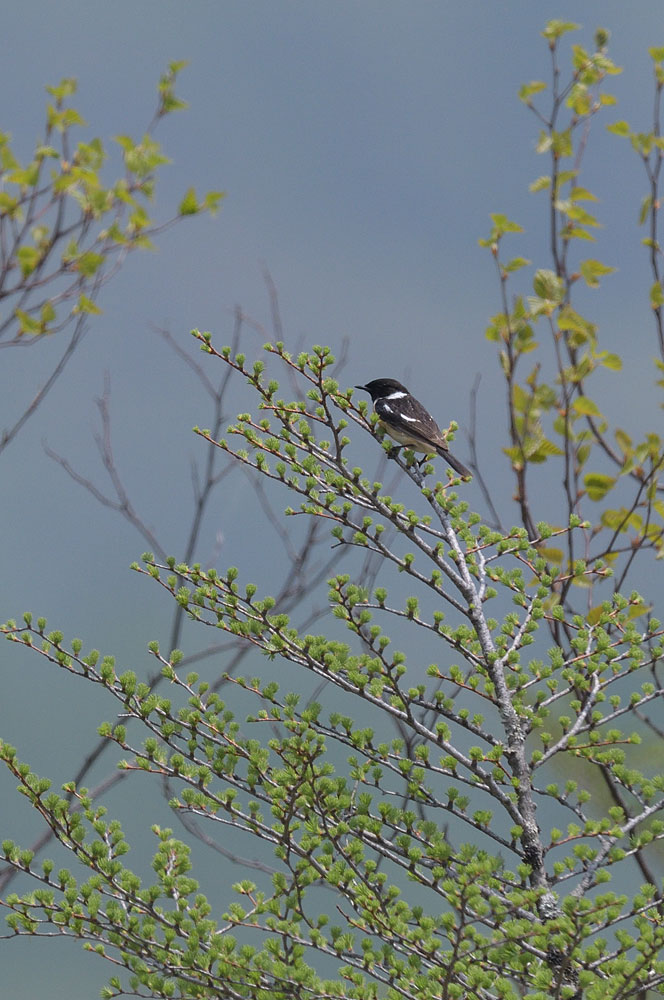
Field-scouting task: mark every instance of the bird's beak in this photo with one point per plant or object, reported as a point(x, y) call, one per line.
point(360, 387)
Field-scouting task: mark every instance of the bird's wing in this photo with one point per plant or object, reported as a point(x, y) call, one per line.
point(411, 417)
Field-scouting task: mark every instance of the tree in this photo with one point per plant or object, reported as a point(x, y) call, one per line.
point(457, 839)
point(65, 230)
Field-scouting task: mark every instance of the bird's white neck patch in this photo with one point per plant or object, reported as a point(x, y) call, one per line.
point(396, 394)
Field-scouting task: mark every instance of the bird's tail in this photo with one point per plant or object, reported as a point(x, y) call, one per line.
point(455, 463)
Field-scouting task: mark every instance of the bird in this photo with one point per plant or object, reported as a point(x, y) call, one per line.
point(408, 422)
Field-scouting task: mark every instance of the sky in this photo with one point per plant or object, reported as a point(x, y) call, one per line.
point(362, 145)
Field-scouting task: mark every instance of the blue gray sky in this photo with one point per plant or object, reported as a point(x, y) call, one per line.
point(362, 145)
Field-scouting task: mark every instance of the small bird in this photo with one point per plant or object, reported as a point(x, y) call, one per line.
point(405, 419)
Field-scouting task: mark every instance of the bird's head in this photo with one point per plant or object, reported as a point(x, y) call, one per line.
point(379, 388)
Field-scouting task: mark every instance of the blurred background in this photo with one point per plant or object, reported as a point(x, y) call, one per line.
point(362, 148)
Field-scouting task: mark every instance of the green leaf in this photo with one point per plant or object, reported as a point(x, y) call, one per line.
point(602, 37)
point(143, 157)
point(577, 233)
point(521, 400)
point(624, 441)
point(564, 177)
point(170, 102)
point(46, 153)
point(212, 200)
point(86, 305)
point(594, 614)
point(614, 519)
point(619, 128)
point(611, 361)
point(65, 88)
point(581, 194)
point(527, 90)
point(580, 99)
point(579, 214)
point(656, 296)
point(542, 183)
point(555, 29)
point(547, 285)
point(28, 324)
point(621, 520)
point(62, 120)
point(592, 270)
point(552, 554)
point(91, 154)
point(7, 159)
point(47, 314)
point(189, 204)
point(582, 454)
point(585, 406)
point(515, 263)
point(89, 263)
point(28, 259)
point(644, 212)
point(504, 225)
point(583, 330)
point(561, 143)
point(10, 206)
point(598, 485)
point(545, 449)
